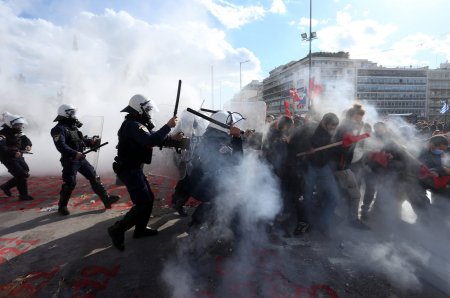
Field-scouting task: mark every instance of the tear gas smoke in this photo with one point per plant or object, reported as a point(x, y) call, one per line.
point(97, 62)
point(252, 194)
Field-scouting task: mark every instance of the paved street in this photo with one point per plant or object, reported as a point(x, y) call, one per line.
point(43, 254)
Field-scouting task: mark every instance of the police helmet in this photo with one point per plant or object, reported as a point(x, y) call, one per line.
point(140, 104)
point(226, 117)
point(13, 120)
point(66, 111)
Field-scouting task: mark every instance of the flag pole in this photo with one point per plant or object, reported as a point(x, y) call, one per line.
point(445, 115)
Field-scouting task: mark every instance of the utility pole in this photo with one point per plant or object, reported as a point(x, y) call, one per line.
point(240, 78)
point(310, 59)
point(305, 37)
point(212, 86)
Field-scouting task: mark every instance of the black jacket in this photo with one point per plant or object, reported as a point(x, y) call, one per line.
point(12, 142)
point(320, 137)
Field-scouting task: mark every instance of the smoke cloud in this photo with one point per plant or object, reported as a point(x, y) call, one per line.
point(97, 61)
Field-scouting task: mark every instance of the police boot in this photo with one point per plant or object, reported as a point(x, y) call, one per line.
point(117, 231)
point(6, 187)
point(143, 216)
point(98, 188)
point(22, 187)
point(64, 196)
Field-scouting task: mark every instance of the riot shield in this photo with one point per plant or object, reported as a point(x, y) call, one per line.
point(254, 113)
point(167, 162)
point(92, 126)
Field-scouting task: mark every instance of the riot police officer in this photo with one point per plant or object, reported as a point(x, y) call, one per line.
point(216, 155)
point(12, 146)
point(136, 139)
point(70, 142)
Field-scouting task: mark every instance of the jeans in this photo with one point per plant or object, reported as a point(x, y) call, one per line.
point(321, 178)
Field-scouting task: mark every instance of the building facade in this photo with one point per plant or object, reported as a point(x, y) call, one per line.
point(400, 90)
point(250, 92)
point(394, 90)
point(331, 74)
point(438, 90)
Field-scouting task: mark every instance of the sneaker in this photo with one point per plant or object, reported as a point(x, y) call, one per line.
point(63, 210)
point(25, 198)
point(6, 191)
point(117, 237)
point(111, 200)
point(144, 232)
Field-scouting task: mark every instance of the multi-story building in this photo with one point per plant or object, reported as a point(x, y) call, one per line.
point(400, 90)
point(334, 73)
point(250, 92)
point(438, 90)
point(394, 90)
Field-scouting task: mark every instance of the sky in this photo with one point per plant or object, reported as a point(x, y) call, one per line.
point(266, 32)
point(96, 54)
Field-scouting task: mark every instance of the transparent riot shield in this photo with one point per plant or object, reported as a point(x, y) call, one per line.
point(167, 162)
point(92, 126)
point(254, 113)
point(193, 127)
point(255, 118)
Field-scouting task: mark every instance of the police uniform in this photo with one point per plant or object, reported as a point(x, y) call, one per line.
point(134, 149)
point(217, 153)
point(69, 140)
point(12, 142)
point(182, 188)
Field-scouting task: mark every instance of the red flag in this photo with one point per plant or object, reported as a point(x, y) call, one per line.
point(286, 109)
point(314, 89)
point(349, 139)
point(294, 95)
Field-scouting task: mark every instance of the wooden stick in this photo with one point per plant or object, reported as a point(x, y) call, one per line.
point(320, 149)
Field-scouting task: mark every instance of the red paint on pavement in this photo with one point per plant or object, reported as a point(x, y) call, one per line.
point(13, 247)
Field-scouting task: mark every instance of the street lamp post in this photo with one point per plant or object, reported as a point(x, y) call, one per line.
point(305, 37)
point(240, 77)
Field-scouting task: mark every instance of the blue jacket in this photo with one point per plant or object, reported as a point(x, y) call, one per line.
point(136, 142)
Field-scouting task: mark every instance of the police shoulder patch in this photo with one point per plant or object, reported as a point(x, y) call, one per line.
point(143, 127)
point(56, 138)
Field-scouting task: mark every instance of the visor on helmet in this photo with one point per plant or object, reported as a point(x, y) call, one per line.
point(72, 113)
point(146, 107)
point(17, 125)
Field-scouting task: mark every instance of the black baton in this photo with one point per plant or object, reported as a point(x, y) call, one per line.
point(209, 119)
point(95, 148)
point(208, 110)
point(175, 111)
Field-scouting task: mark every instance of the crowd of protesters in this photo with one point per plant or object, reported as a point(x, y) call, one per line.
point(367, 168)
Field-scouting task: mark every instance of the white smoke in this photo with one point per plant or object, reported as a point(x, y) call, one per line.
point(252, 194)
point(98, 61)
